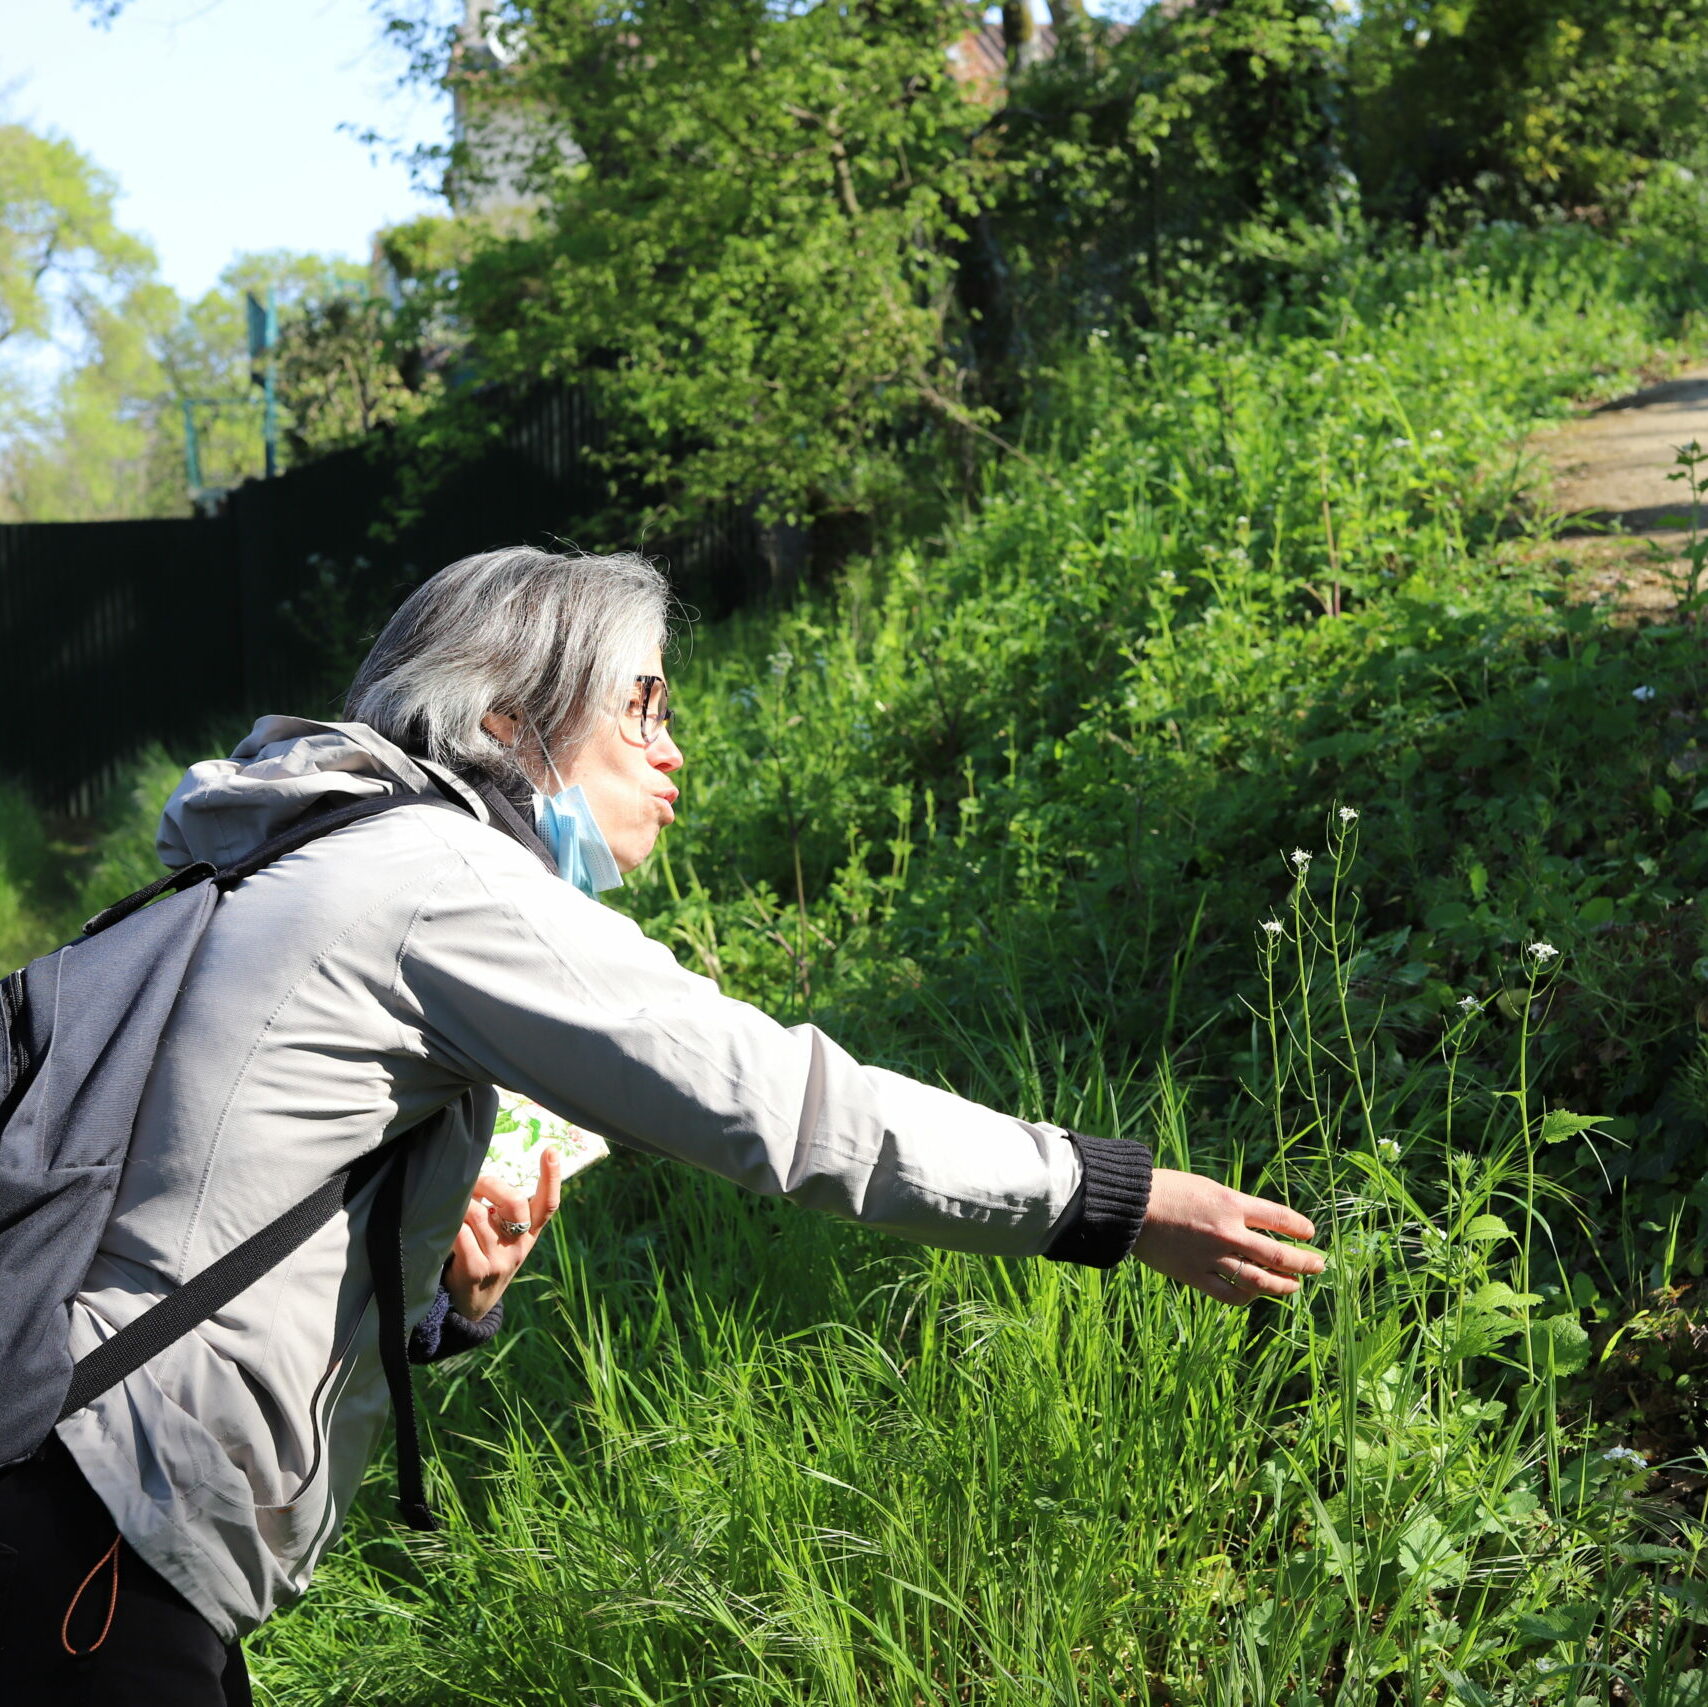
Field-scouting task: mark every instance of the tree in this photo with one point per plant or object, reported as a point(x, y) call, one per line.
point(1207, 130)
point(85, 443)
point(750, 254)
point(1525, 103)
point(205, 355)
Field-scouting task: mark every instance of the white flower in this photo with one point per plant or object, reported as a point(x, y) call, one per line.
point(1470, 1004)
point(1349, 815)
point(1643, 693)
point(1399, 444)
point(1242, 521)
point(1273, 926)
point(1625, 1455)
point(1388, 1147)
point(1547, 1664)
point(1300, 859)
point(1436, 433)
point(780, 661)
point(1542, 952)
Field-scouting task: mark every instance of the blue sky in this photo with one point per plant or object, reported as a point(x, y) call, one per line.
point(221, 120)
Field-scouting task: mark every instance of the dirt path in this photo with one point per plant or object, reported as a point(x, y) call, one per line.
point(1610, 481)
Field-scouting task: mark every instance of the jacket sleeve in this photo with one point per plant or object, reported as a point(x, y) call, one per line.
point(515, 978)
point(442, 1333)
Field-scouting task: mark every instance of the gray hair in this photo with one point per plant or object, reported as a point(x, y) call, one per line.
point(551, 640)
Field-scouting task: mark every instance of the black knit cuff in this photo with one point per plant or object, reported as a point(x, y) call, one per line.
point(443, 1333)
point(1100, 1229)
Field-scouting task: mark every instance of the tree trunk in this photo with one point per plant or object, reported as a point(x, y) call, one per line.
point(1018, 33)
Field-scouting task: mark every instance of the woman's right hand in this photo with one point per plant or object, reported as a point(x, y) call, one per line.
point(1213, 1237)
point(486, 1256)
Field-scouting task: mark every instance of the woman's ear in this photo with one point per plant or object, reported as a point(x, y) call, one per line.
point(502, 727)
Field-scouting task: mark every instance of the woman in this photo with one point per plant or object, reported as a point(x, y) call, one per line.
point(382, 980)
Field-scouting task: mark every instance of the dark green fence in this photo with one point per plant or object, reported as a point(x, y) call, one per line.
point(116, 634)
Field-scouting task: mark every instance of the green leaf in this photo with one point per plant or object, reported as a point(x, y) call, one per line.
point(1558, 1343)
point(1486, 1228)
point(1649, 1553)
point(1558, 1124)
point(1568, 1622)
point(1427, 1554)
point(1497, 1295)
point(1598, 910)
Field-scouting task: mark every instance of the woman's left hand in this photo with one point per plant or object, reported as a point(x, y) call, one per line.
point(487, 1254)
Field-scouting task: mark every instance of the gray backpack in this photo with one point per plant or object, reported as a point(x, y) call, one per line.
point(78, 1034)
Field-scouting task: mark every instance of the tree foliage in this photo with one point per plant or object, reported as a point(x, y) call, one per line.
point(77, 435)
point(1525, 103)
point(753, 259)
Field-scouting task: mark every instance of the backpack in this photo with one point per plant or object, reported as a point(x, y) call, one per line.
point(78, 1033)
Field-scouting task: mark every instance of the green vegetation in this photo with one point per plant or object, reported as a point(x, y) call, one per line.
point(103, 436)
point(1209, 750)
point(1010, 805)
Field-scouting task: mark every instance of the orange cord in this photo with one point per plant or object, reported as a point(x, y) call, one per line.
point(112, 1602)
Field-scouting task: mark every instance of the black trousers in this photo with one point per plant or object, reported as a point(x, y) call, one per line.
point(83, 1621)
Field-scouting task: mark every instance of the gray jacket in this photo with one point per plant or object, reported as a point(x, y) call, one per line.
point(391, 974)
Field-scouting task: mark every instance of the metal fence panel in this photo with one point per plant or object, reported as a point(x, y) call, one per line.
point(116, 634)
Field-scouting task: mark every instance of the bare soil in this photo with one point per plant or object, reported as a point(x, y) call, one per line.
point(1624, 521)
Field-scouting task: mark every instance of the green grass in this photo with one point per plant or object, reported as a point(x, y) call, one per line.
point(1007, 807)
point(737, 1455)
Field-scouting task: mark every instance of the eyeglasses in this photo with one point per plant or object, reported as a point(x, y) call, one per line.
point(648, 710)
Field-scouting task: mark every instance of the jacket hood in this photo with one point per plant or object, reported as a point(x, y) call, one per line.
point(281, 768)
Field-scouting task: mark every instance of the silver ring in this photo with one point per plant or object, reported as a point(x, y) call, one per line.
point(514, 1228)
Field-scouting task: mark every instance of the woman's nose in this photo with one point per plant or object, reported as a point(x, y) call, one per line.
point(664, 754)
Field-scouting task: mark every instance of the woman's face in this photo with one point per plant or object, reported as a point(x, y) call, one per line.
point(627, 784)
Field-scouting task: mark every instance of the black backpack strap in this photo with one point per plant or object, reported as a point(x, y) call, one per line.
point(318, 822)
point(311, 827)
point(183, 878)
point(385, 1261)
point(215, 1287)
point(507, 815)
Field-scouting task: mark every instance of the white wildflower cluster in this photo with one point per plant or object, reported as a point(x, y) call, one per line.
point(1272, 926)
point(781, 661)
point(1301, 858)
point(1542, 952)
point(1399, 444)
point(1470, 1005)
point(1626, 1456)
point(525, 1131)
point(1645, 692)
point(1349, 815)
point(1388, 1149)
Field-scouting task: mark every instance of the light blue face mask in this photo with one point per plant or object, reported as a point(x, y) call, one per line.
point(567, 826)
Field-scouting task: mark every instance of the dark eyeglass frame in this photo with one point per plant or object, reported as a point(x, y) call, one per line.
point(661, 719)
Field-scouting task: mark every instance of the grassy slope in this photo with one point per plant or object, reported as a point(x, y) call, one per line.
point(1007, 807)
